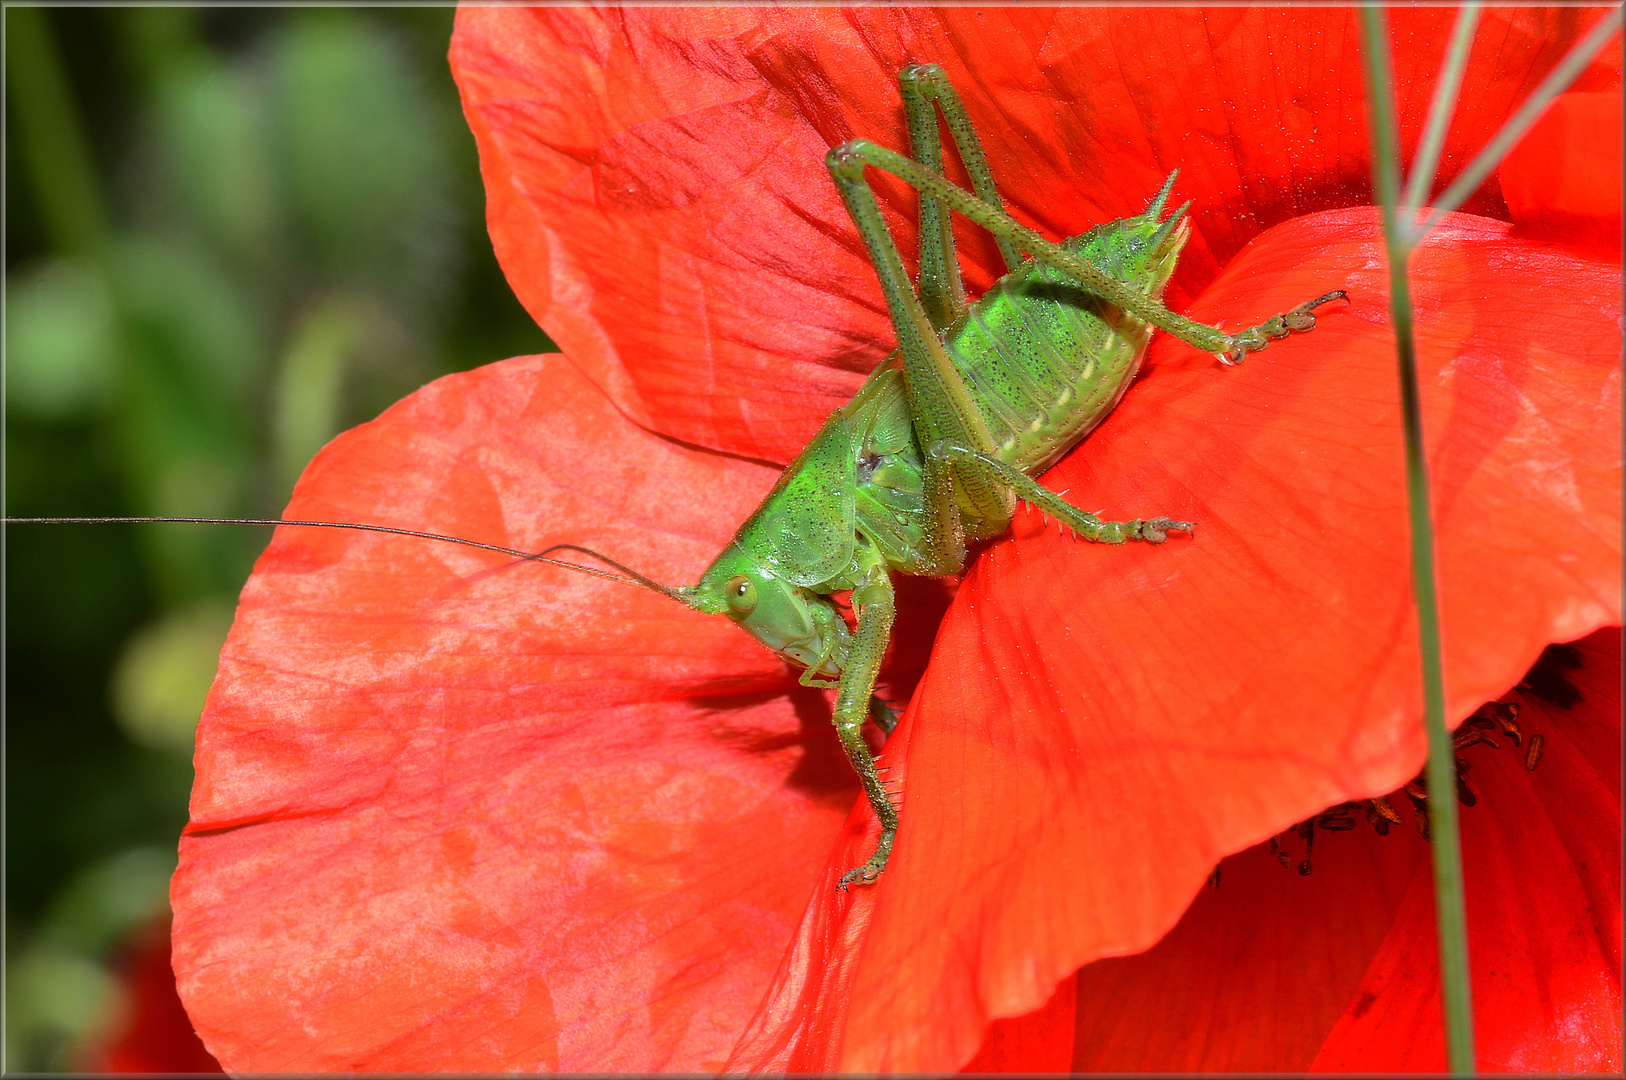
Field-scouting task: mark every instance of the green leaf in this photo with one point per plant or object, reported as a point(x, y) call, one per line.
point(60, 343)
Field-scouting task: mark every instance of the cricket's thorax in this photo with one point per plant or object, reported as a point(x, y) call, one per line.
point(850, 504)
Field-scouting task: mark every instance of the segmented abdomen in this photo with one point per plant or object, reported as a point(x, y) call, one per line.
point(1046, 360)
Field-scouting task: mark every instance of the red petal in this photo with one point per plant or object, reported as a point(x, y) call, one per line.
point(1260, 970)
point(658, 199)
point(1563, 177)
point(1214, 690)
point(457, 813)
point(1541, 861)
point(1040, 1042)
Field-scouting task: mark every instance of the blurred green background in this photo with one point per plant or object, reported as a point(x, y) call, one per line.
point(230, 234)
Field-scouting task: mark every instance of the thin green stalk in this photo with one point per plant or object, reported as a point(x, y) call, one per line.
point(1447, 850)
point(1517, 124)
point(1442, 107)
point(52, 142)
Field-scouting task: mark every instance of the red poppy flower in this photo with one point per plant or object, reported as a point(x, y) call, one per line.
point(456, 814)
point(152, 1033)
point(1336, 970)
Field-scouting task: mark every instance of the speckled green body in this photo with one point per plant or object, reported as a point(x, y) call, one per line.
point(1049, 361)
point(1046, 362)
point(949, 432)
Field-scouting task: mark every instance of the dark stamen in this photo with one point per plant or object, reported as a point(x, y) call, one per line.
point(1533, 755)
point(1466, 795)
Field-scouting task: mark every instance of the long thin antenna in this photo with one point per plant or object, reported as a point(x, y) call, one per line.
point(629, 571)
point(633, 577)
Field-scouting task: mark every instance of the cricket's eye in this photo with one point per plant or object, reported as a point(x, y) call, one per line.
point(741, 593)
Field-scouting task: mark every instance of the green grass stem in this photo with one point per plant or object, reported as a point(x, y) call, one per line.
point(1556, 83)
point(1442, 107)
point(1441, 772)
point(52, 142)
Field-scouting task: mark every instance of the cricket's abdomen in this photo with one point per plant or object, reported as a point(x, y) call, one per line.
point(1045, 360)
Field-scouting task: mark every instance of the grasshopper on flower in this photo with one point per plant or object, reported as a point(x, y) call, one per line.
point(948, 433)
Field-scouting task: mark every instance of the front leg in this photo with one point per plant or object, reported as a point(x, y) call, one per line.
point(876, 607)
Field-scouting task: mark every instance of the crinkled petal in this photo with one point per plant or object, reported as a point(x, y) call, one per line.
point(657, 195)
point(1040, 1042)
point(457, 812)
point(1265, 966)
point(1100, 725)
point(1541, 865)
point(1259, 968)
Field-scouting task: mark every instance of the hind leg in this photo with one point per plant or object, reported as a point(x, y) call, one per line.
point(925, 90)
point(851, 157)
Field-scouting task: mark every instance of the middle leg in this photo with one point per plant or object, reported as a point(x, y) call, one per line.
point(1082, 522)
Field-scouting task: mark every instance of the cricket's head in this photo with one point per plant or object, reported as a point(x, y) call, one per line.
point(795, 622)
